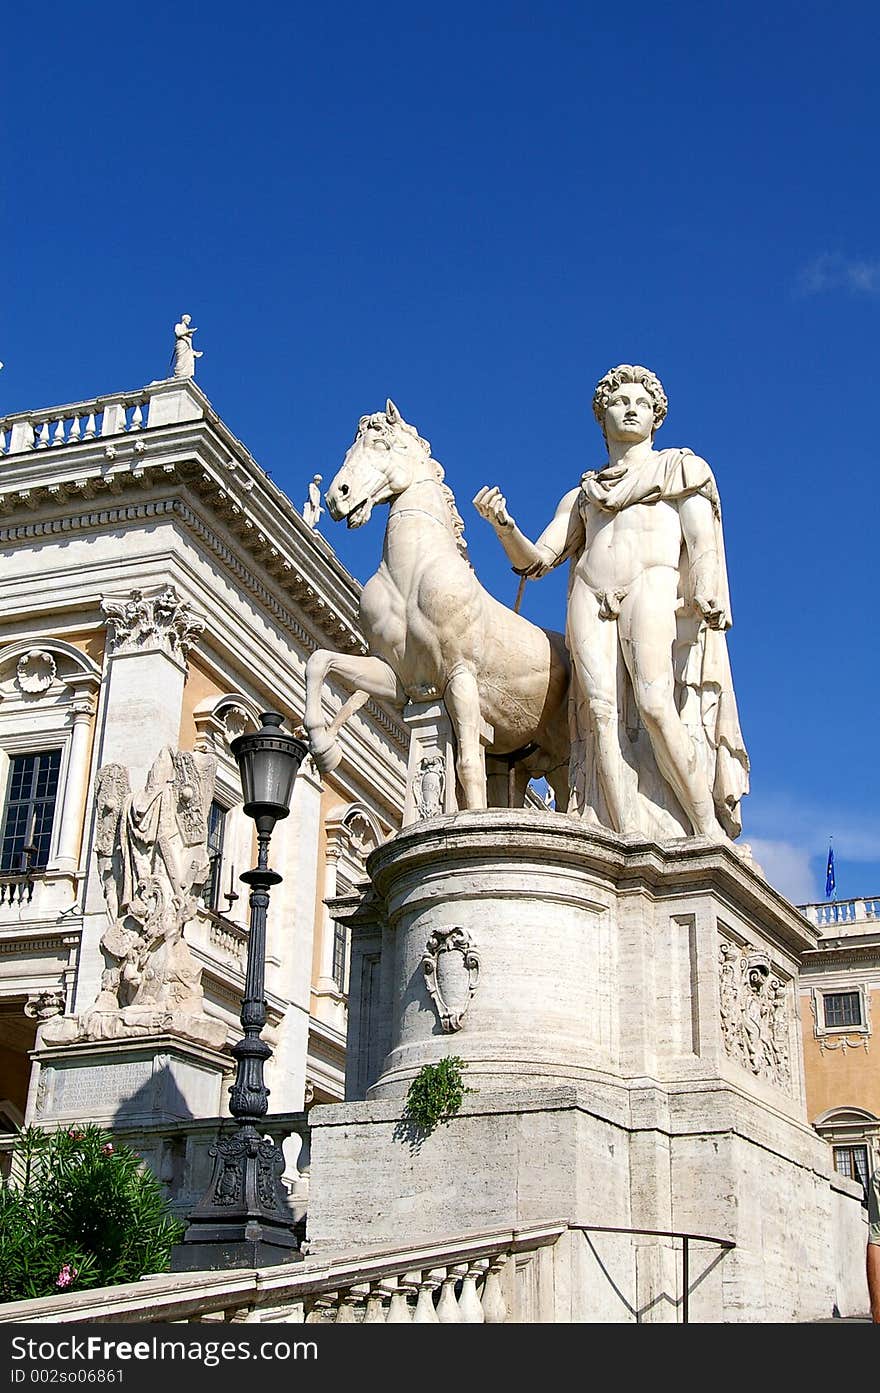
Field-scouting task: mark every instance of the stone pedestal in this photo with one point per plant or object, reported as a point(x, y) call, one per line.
point(627, 1013)
point(126, 1083)
point(430, 772)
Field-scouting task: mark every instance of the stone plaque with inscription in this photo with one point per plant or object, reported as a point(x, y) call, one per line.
point(159, 1079)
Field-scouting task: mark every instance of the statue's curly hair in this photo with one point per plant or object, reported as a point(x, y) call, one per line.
point(627, 372)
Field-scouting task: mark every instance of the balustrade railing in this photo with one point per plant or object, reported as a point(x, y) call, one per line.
point(227, 936)
point(469, 1281)
point(71, 425)
point(831, 913)
point(17, 889)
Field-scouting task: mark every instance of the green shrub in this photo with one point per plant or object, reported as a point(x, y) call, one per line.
point(79, 1211)
point(436, 1094)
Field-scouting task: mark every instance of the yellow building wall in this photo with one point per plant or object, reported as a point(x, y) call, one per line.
point(92, 643)
point(200, 686)
point(838, 1078)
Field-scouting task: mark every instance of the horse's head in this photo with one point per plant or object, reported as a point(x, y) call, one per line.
point(380, 464)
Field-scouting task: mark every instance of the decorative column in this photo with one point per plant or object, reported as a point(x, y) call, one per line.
point(150, 637)
point(335, 836)
point(70, 831)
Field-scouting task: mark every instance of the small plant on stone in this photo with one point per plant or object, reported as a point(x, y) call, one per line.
point(436, 1094)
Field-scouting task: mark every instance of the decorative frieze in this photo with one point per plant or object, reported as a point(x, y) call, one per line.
point(756, 1013)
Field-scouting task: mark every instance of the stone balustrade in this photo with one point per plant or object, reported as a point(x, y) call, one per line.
point(491, 1278)
point(225, 936)
point(831, 914)
point(79, 422)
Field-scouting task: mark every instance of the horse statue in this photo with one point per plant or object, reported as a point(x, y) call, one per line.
point(434, 632)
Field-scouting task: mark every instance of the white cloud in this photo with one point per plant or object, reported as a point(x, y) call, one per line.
point(787, 867)
point(811, 826)
point(831, 271)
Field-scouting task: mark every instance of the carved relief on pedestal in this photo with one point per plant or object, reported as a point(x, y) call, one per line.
point(429, 786)
point(153, 860)
point(42, 1097)
point(164, 621)
point(451, 966)
point(756, 1012)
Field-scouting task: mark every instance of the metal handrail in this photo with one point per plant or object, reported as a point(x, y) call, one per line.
point(665, 1233)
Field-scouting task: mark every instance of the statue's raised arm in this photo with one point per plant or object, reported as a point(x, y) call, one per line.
point(559, 540)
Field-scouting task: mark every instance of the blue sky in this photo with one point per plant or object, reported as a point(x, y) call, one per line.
point(478, 211)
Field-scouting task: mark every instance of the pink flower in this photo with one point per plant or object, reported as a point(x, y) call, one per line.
point(107, 1149)
point(67, 1275)
point(76, 1136)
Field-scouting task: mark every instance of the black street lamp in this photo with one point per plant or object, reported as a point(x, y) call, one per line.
point(244, 1219)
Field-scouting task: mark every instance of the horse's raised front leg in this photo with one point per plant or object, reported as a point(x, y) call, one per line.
point(371, 677)
point(462, 698)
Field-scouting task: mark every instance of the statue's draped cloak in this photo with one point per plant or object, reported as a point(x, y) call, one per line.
point(704, 687)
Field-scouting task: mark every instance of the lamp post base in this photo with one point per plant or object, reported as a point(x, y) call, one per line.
point(214, 1253)
point(244, 1219)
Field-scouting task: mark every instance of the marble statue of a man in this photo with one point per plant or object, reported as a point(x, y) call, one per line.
point(656, 744)
point(184, 354)
point(312, 509)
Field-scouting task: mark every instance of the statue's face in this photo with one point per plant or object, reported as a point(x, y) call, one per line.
point(629, 415)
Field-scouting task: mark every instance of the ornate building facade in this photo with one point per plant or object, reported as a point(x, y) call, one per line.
point(840, 1008)
point(159, 592)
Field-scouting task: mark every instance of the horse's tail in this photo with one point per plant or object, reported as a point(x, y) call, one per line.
point(325, 748)
point(354, 703)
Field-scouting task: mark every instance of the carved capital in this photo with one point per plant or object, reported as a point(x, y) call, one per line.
point(141, 622)
point(83, 710)
point(42, 1006)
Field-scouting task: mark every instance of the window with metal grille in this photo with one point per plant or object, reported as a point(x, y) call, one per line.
point(340, 943)
point(853, 1162)
point(216, 828)
point(842, 1009)
point(30, 810)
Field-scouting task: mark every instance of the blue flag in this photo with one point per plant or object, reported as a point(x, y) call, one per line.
point(829, 874)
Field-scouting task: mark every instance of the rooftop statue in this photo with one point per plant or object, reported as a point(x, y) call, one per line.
point(185, 355)
point(656, 743)
point(433, 631)
point(312, 509)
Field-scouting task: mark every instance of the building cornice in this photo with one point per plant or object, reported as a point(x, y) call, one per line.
point(209, 482)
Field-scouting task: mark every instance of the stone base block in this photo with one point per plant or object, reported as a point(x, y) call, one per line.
point(750, 1188)
point(628, 1014)
point(126, 1083)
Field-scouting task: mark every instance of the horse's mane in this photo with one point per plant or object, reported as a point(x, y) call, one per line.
point(379, 421)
